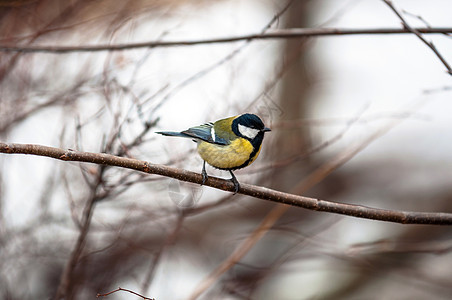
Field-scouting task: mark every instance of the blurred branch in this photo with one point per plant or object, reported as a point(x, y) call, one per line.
point(403, 217)
point(271, 34)
point(417, 32)
point(66, 276)
point(19, 115)
point(394, 246)
point(169, 240)
point(235, 257)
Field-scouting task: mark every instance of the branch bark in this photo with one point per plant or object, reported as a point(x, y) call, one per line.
point(358, 211)
point(274, 34)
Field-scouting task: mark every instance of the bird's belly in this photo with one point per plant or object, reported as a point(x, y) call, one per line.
point(229, 156)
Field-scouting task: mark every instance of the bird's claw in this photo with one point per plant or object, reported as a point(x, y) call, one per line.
point(236, 186)
point(204, 174)
point(235, 182)
point(204, 177)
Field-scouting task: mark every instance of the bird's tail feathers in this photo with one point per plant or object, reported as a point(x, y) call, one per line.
point(174, 133)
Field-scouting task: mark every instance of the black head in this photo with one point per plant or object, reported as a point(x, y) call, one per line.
point(249, 126)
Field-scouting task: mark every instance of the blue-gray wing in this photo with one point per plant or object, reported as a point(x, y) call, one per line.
point(206, 133)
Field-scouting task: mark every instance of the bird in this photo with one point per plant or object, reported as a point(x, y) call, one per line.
point(227, 144)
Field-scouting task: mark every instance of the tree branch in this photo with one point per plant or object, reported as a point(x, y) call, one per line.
point(359, 211)
point(273, 34)
point(417, 32)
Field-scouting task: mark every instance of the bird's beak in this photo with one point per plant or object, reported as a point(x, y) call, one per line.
point(266, 129)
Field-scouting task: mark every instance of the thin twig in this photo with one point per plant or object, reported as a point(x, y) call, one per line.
point(271, 34)
point(125, 290)
point(417, 32)
point(359, 211)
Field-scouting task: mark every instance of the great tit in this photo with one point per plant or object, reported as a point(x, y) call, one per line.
point(228, 144)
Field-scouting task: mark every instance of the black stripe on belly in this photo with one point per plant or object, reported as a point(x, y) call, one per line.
point(256, 142)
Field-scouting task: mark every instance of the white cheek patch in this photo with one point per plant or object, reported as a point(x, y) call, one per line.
point(248, 132)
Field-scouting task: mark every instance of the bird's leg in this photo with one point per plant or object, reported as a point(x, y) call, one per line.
point(204, 173)
point(235, 182)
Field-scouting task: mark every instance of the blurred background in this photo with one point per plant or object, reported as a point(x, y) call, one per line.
point(71, 230)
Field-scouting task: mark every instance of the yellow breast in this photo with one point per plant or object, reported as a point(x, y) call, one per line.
point(230, 156)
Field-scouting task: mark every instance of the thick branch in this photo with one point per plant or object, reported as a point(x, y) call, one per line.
point(358, 211)
point(274, 34)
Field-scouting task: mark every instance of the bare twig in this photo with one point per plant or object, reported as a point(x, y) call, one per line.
point(271, 34)
point(403, 217)
point(417, 32)
point(125, 290)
